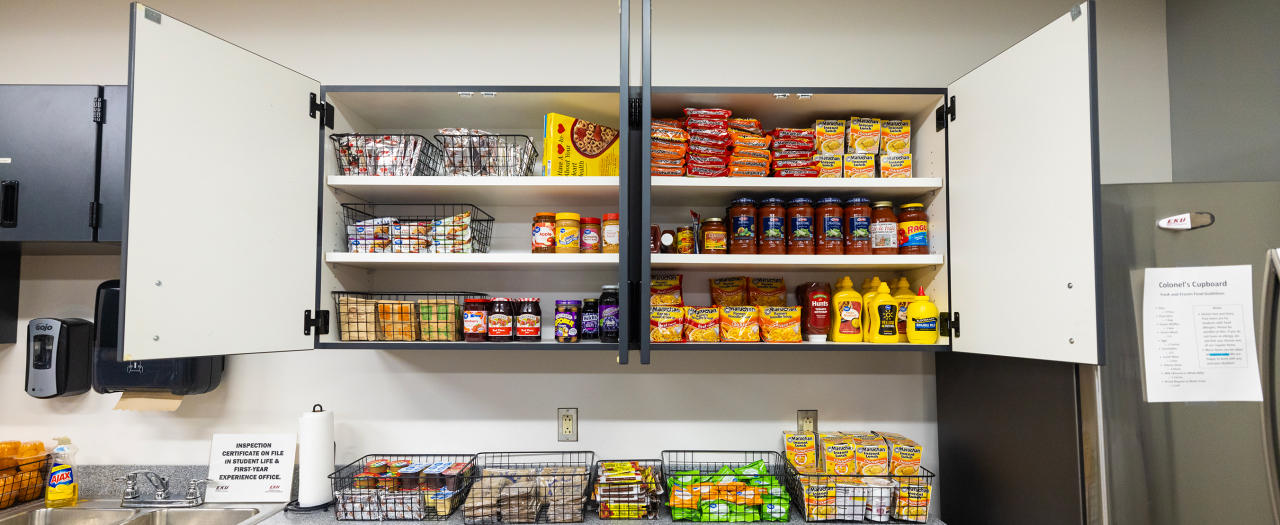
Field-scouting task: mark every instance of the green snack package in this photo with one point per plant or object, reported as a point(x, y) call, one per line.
point(724, 476)
point(753, 469)
point(775, 508)
point(714, 510)
point(743, 513)
point(678, 513)
point(686, 477)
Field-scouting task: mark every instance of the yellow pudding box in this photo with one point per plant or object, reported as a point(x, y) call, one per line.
point(895, 166)
point(859, 166)
point(576, 148)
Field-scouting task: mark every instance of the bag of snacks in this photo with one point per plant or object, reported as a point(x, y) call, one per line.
point(666, 171)
point(703, 170)
point(768, 292)
point(670, 133)
point(746, 124)
point(666, 324)
point(791, 154)
point(780, 324)
point(729, 291)
point(702, 324)
point(661, 149)
point(707, 113)
point(742, 171)
point(757, 153)
point(664, 290)
point(739, 324)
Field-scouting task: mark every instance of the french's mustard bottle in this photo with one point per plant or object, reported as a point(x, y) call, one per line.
point(884, 316)
point(846, 314)
point(922, 321)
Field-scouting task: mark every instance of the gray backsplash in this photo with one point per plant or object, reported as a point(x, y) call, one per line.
point(98, 481)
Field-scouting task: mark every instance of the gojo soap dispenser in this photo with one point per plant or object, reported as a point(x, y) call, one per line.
point(58, 352)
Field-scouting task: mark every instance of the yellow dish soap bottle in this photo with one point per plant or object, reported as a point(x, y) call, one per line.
point(62, 490)
point(905, 297)
point(883, 314)
point(922, 321)
point(866, 307)
point(846, 314)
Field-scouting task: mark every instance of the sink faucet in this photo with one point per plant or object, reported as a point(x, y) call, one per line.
point(132, 499)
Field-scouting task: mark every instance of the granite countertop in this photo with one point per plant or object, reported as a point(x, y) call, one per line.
point(327, 518)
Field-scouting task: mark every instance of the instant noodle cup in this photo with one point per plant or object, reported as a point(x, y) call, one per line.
point(819, 499)
point(729, 291)
point(746, 124)
point(664, 290)
point(758, 153)
point(838, 455)
point(767, 292)
point(895, 137)
point(742, 171)
point(707, 113)
point(895, 166)
point(829, 137)
point(864, 135)
point(739, 324)
point(702, 324)
point(912, 503)
point(872, 453)
point(801, 449)
point(666, 324)
point(780, 324)
point(666, 171)
point(829, 166)
point(859, 166)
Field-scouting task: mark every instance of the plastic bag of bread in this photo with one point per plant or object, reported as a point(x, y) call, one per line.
point(780, 324)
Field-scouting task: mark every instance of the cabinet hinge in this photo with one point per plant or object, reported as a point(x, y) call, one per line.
point(944, 111)
point(95, 212)
point(635, 113)
point(955, 324)
point(320, 322)
point(324, 108)
point(99, 109)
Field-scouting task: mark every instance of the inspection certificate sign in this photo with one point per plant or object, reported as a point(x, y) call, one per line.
point(251, 468)
point(1197, 334)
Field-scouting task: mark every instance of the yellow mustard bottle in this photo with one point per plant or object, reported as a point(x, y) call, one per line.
point(846, 314)
point(883, 311)
point(905, 297)
point(866, 286)
point(922, 321)
point(866, 307)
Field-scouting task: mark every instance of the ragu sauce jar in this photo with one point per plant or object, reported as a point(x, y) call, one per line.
point(829, 227)
point(771, 220)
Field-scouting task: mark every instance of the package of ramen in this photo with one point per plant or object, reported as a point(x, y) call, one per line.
point(729, 291)
point(740, 171)
point(829, 166)
point(669, 122)
point(800, 144)
point(705, 123)
point(709, 160)
point(864, 135)
point(895, 137)
point(796, 172)
point(912, 502)
point(739, 324)
point(895, 166)
point(666, 324)
point(784, 164)
point(709, 140)
point(667, 150)
point(904, 454)
point(707, 112)
point(829, 137)
point(749, 162)
point(780, 324)
point(701, 324)
point(791, 154)
point(702, 170)
point(871, 452)
point(699, 149)
point(801, 449)
point(859, 166)
point(758, 153)
point(750, 140)
point(838, 456)
point(670, 133)
point(670, 163)
point(767, 292)
point(713, 133)
point(666, 171)
point(746, 124)
point(793, 133)
point(665, 290)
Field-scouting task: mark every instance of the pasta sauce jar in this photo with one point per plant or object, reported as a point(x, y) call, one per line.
point(800, 227)
point(771, 227)
point(913, 229)
point(715, 237)
point(475, 321)
point(857, 221)
point(884, 229)
point(742, 224)
point(829, 224)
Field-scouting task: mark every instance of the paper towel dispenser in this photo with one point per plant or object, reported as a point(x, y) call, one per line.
point(185, 376)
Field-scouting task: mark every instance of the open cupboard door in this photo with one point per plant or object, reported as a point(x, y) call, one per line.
point(221, 212)
point(1023, 181)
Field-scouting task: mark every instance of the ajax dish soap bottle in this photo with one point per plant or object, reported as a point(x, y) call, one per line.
point(905, 297)
point(846, 310)
point(922, 321)
point(62, 489)
point(883, 313)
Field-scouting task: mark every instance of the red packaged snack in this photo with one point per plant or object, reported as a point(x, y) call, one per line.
point(709, 160)
point(791, 154)
point(707, 112)
point(750, 140)
point(697, 170)
point(800, 144)
point(669, 122)
point(796, 172)
point(743, 171)
point(706, 123)
point(782, 164)
point(699, 149)
point(746, 124)
point(667, 150)
point(717, 133)
point(743, 151)
point(717, 142)
point(669, 133)
point(666, 171)
point(669, 163)
point(748, 162)
point(793, 133)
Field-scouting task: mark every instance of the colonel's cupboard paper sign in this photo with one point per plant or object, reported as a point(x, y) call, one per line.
point(251, 468)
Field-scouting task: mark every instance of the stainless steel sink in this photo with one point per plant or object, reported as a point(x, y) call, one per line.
point(108, 512)
point(69, 516)
point(197, 516)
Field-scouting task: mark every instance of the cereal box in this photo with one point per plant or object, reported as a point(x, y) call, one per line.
point(864, 135)
point(838, 454)
point(574, 147)
point(871, 452)
point(895, 137)
point(830, 166)
point(904, 454)
point(829, 135)
point(859, 166)
point(801, 450)
point(895, 166)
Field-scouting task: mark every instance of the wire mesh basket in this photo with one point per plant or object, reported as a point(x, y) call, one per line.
point(417, 228)
point(629, 489)
point(726, 485)
point(22, 479)
point(406, 316)
point(471, 153)
point(854, 497)
point(401, 155)
point(530, 487)
point(393, 487)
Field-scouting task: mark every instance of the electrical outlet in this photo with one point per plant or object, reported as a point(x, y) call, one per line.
point(567, 424)
point(807, 420)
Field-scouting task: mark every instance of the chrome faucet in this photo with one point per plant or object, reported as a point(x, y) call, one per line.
point(132, 499)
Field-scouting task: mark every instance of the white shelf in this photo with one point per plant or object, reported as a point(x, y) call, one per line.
point(678, 261)
point(481, 191)
point(718, 191)
point(496, 261)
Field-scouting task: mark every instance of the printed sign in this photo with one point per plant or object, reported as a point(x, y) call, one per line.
point(251, 468)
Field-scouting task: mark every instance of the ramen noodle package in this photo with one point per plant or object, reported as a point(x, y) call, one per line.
point(703, 170)
point(904, 454)
point(702, 324)
point(859, 166)
point(895, 137)
point(768, 292)
point(785, 164)
point(701, 149)
point(746, 124)
point(670, 133)
point(800, 144)
point(661, 149)
point(705, 123)
point(838, 457)
point(715, 138)
point(707, 113)
point(744, 171)
point(709, 160)
point(665, 290)
point(748, 162)
point(829, 166)
point(797, 172)
point(791, 154)
point(666, 171)
point(729, 291)
point(912, 503)
point(780, 324)
point(739, 324)
point(669, 163)
point(801, 450)
point(864, 135)
point(756, 153)
point(666, 324)
point(792, 133)
point(872, 453)
point(829, 137)
point(895, 166)
point(575, 147)
point(749, 140)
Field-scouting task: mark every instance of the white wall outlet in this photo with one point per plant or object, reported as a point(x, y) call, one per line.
point(567, 424)
point(807, 420)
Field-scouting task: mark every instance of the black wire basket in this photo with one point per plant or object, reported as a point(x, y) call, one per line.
point(470, 154)
point(405, 316)
point(530, 487)
point(401, 155)
point(417, 228)
point(410, 487)
point(854, 497)
point(23, 479)
point(629, 489)
point(726, 485)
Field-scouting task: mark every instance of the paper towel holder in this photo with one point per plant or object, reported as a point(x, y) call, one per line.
point(293, 506)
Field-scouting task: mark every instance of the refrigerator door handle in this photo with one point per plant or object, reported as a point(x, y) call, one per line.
point(1267, 339)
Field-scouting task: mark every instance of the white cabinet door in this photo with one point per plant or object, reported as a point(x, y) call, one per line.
point(221, 219)
point(1023, 184)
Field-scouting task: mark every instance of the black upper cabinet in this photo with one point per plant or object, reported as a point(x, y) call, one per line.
point(48, 162)
point(111, 175)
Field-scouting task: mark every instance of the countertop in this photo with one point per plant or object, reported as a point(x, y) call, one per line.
point(327, 518)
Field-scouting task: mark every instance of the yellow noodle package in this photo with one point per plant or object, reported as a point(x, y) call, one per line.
point(768, 292)
point(739, 324)
point(666, 324)
point(729, 291)
point(895, 137)
point(780, 324)
point(665, 290)
point(702, 324)
point(912, 502)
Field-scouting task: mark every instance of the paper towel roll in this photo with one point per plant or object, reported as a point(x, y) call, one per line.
point(315, 457)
